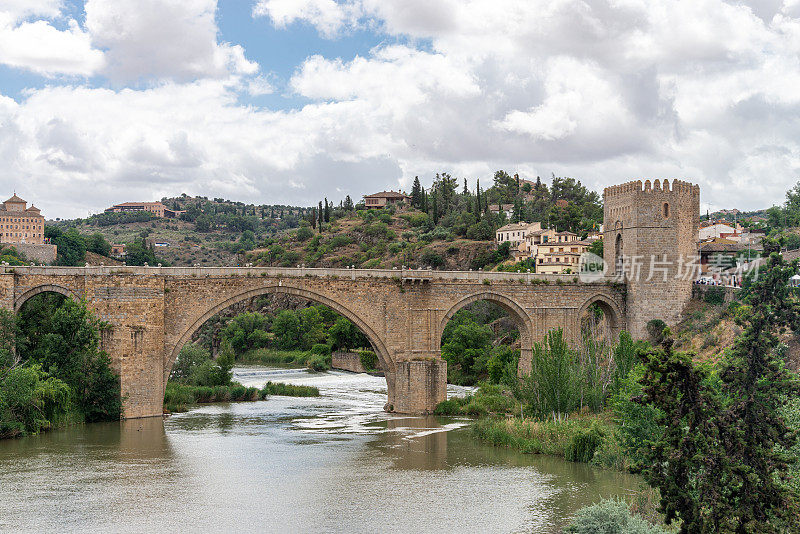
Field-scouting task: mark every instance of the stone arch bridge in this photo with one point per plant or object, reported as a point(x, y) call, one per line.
point(153, 311)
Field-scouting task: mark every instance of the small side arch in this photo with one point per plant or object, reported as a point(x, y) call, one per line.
point(49, 288)
point(387, 363)
point(616, 318)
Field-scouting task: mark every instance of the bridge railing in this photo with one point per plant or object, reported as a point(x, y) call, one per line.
point(409, 275)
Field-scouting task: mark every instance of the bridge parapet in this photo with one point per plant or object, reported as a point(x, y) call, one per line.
point(301, 272)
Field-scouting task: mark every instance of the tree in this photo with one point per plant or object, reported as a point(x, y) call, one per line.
point(286, 327)
point(517, 214)
point(756, 385)
point(63, 336)
point(478, 201)
point(71, 245)
point(596, 248)
point(466, 348)
point(97, 243)
point(321, 216)
point(465, 191)
point(247, 331)
point(327, 211)
point(721, 464)
point(416, 194)
point(137, 253)
point(348, 203)
point(344, 335)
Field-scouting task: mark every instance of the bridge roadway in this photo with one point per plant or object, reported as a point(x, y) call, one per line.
point(153, 311)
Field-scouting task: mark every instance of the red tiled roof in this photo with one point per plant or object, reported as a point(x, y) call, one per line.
point(386, 194)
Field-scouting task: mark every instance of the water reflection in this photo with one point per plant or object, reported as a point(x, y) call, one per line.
point(325, 464)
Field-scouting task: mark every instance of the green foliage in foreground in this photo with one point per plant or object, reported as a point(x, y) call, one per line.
point(31, 401)
point(610, 517)
point(52, 371)
point(721, 462)
point(288, 390)
point(489, 399)
point(195, 367)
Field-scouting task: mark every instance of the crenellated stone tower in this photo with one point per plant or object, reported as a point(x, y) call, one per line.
point(650, 239)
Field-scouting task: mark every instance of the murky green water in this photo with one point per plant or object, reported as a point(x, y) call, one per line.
point(335, 463)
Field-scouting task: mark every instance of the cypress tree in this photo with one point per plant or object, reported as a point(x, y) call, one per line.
point(478, 201)
point(321, 216)
point(466, 191)
point(327, 211)
point(416, 194)
point(435, 209)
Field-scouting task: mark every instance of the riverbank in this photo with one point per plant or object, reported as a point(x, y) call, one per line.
point(179, 397)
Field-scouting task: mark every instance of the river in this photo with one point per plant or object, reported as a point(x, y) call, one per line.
point(326, 464)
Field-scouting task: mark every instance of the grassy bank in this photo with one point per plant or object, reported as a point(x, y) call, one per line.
point(292, 359)
point(178, 396)
point(576, 439)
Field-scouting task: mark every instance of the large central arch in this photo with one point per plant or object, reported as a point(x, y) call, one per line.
point(515, 311)
point(384, 356)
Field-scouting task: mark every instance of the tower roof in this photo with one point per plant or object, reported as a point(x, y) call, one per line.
point(15, 200)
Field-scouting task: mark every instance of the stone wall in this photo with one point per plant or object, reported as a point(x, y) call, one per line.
point(36, 253)
point(347, 361)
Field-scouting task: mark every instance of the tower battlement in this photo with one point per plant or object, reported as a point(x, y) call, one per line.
point(637, 186)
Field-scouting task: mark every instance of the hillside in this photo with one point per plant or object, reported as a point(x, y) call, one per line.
point(444, 227)
point(371, 239)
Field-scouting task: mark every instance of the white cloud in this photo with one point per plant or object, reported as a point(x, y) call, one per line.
point(602, 90)
point(41, 48)
point(16, 10)
point(328, 16)
point(162, 39)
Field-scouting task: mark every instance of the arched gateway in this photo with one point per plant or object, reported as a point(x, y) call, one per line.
point(154, 311)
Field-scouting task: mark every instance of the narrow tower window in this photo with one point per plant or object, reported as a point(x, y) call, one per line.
point(666, 210)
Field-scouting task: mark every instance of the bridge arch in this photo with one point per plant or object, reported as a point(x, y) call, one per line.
point(517, 312)
point(616, 318)
point(46, 288)
point(514, 310)
point(384, 356)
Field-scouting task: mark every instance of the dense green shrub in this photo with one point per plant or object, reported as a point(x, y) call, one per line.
point(583, 445)
point(610, 517)
point(303, 234)
point(319, 362)
point(432, 258)
point(321, 349)
point(715, 295)
point(31, 401)
point(369, 360)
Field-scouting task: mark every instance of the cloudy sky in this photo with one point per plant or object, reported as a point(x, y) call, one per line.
point(287, 101)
